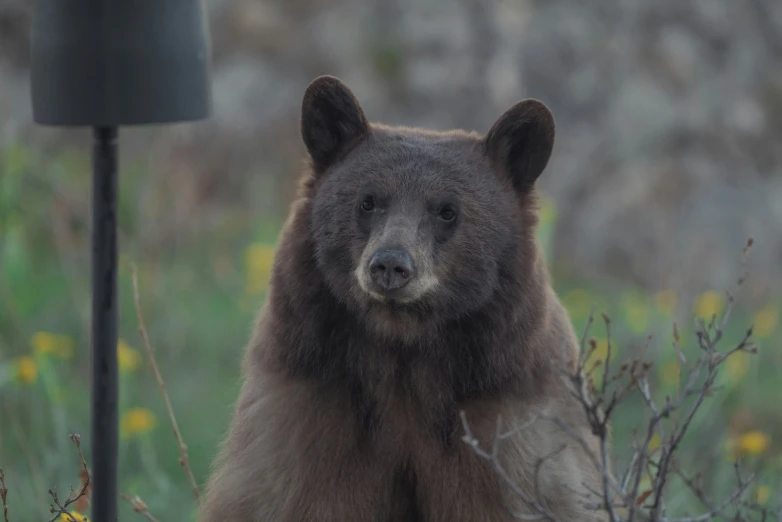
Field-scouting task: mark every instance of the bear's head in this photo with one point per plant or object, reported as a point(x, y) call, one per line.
point(412, 226)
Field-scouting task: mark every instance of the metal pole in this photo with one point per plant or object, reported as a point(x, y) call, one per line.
point(105, 388)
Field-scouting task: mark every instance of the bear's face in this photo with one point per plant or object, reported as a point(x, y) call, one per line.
point(412, 226)
point(412, 223)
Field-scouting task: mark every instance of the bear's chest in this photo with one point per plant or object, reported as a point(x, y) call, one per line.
point(407, 407)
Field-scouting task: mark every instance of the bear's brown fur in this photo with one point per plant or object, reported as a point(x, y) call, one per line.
point(349, 411)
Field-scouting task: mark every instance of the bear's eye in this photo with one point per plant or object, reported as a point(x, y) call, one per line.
point(447, 213)
point(368, 205)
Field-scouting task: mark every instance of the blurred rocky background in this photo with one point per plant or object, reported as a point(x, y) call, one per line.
point(669, 116)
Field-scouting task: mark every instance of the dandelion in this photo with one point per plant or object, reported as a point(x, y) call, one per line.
point(259, 259)
point(600, 353)
point(737, 366)
point(46, 343)
point(655, 442)
point(645, 488)
point(578, 303)
point(708, 304)
point(128, 358)
point(137, 421)
point(762, 494)
point(601, 350)
point(765, 321)
point(636, 313)
point(665, 301)
point(753, 442)
point(646, 482)
point(77, 517)
point(25, 370)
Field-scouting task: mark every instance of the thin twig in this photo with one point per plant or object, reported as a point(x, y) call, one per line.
point(711, 514)
point(607, 321)
point(138, 506)
point(621, 499)
point(61, 508)
point(493, 457)
point(24, 446)
point(585, 333)
point(4, 495)
point(183, 460)
point(539, 465)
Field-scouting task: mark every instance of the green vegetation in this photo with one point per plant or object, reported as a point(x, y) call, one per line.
point(200, 297)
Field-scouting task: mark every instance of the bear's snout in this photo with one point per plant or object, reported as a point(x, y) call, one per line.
point(391, 269)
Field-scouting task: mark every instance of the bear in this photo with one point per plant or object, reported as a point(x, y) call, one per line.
point(409, 294)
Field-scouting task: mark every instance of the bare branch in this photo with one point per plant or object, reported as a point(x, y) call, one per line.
point(138, 506)
point(4, 495)
point(493, 458)
point(183, 460)
point(585, 334)
point(606, 365)
point(61, 508)
point(622, 499)
point(714, 512)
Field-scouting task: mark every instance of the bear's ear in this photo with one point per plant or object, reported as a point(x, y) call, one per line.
point(520, 142)
point(331, 120)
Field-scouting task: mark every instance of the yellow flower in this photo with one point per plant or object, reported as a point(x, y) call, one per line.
point(762, 494)
point(665, 300)
point(671, 372)
point(77, 517)
point(753, 442)
point(137, 421)
point(708, 304)
point(600, 353)
point(128, 359)
point(636, 313)
point(45, 343)
point(259, 259)
point(578, 303)
point(644, 488)
point(26, 371)
point(765, 321)
point(737, 366)
point(655, 442)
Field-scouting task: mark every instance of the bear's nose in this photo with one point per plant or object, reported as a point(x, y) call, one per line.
point(391, 268)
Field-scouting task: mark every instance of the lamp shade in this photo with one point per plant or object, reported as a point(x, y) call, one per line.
point(119, 62)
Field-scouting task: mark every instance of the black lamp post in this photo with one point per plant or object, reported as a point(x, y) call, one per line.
point(106, 63)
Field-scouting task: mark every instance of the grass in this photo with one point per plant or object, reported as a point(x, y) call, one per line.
point(200, 297)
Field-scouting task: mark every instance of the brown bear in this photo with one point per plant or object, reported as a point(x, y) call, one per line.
point(408, 286)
